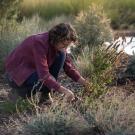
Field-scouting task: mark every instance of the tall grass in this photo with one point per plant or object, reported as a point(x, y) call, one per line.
point(59, 119)
point(115, 113)
point(51, 8)
point(121, 13)
point(93, 28)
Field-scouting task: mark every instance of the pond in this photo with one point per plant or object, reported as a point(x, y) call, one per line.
point(127, 44)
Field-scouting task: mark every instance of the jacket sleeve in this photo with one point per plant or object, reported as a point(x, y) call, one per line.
point(70, 69)
point(40, 58)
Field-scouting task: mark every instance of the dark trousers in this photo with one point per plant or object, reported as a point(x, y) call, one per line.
point(32, 84)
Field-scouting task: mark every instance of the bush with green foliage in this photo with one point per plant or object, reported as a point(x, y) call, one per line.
point(122, 13)
point(129, 72)
point(20, 106)
point(99, 67)
point(9, 9)
point(93, 28)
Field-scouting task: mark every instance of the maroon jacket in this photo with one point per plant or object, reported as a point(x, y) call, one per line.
point(35, 54)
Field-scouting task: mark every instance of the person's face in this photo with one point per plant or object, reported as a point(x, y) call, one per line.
point(63, 45)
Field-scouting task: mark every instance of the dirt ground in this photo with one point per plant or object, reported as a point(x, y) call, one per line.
point(4, 118)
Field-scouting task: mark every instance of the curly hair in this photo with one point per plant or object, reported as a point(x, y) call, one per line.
point(61, 33)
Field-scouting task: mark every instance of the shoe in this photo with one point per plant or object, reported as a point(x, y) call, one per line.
point(46, 99)
point(13, 96)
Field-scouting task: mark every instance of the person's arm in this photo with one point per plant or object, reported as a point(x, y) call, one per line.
point(70, 69)
point(68, 93)
point(40, 58)
point(82, 81)
point(72, 72)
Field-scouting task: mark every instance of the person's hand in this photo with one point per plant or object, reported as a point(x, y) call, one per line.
point(86, 84)
point(83, 81)
point(68, 94)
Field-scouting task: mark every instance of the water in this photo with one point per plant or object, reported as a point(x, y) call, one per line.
point(127, 45)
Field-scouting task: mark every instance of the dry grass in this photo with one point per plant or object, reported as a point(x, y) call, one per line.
point(112, 114)
point(116, 113)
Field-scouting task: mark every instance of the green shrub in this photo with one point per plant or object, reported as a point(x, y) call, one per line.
point(20, 106)
point(9, 9)
point(8, 15)
point(8, 38)
point(121, 13)
point(93, 28)
point(130, 69)
point(99, 67)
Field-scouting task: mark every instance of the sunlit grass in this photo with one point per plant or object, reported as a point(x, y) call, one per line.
point(121, 13)
point(50, 8)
